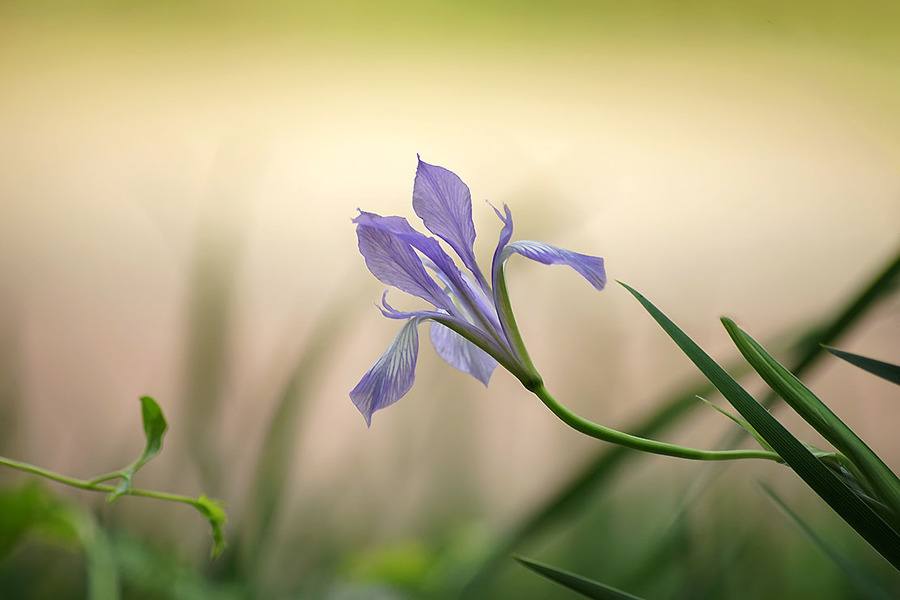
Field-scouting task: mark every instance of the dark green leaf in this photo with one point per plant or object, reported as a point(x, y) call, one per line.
point(576, 583)
point(868, 465)
point(882, 369)
point(847, 504)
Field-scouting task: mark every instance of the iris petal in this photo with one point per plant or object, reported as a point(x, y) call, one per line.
point(392, 376)
point(393, 261)
point(462, 354)
point(444, 204)
point(590, 267)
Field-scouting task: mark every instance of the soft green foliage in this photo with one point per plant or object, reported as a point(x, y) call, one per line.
point(867, 585)
point(819, 477)
point(154, 428)
point(599, 476)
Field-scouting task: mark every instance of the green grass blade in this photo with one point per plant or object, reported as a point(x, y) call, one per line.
point(880, 368)
point(825, 483)
point(582, 585)
point(819, 416)
point(865, 584)
point(276, 463)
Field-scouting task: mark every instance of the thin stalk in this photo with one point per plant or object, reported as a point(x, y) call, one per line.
point(511, 329)
point(634, 442)
point(85, 484)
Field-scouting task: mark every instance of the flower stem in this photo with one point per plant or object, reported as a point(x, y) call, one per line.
point(511, 328)
point(634, 442)
point(92, 485)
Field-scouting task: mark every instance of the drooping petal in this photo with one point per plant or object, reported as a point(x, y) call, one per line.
point(590, 267)
point(444, 204)
point(392, 376)
point(391, 258)
point(462, 354)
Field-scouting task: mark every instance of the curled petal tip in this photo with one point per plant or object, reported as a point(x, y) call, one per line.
point(589, 267)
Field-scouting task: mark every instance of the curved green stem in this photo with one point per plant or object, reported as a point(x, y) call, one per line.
point(93, 485)
point(634, 442)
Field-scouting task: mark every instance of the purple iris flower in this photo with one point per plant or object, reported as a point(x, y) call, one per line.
point(472, 324)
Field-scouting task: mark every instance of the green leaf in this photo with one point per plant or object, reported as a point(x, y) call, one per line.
point(582, 585)
point(155, 427)
point(848, 505)
point(882, 480)
point(214, 512)
point(880, 368)
point(866, 585)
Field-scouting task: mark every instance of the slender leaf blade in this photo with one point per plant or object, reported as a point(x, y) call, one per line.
point(577, 583)
point(882, 369)
point(837, 495)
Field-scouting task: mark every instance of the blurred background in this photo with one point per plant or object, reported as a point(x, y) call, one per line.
point(177, 181)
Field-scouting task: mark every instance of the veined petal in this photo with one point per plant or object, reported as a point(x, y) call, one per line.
point(390, 257)
point(462, 354)
point(590, 267)
point(392, 376)
point(448, 272)
point(444, 204)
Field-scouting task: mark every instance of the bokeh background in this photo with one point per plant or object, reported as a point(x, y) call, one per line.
point(177, 181)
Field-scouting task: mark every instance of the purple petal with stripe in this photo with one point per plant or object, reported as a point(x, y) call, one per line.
point(462, 354)
point(392, 376)
point(390, 257)
point(444, 204)
point(590, 267)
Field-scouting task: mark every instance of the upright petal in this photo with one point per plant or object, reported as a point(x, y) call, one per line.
point(392, 376)
point(590, 267)
point(391, 258)
point(462, 354)
point(444, 204)
point(447, 270)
